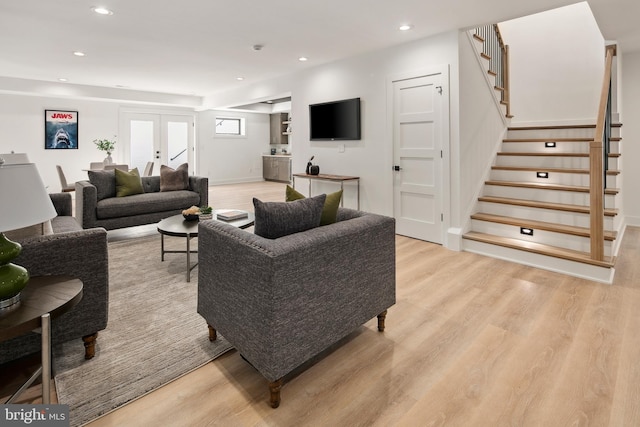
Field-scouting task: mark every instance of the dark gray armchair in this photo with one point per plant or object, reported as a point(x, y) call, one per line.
point(74, 252)
point(295, 296)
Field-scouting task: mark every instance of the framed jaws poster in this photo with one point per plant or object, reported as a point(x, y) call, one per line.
point(60, 129)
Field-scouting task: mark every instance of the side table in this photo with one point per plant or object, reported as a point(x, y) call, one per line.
point(44, 298)
point(335, 178)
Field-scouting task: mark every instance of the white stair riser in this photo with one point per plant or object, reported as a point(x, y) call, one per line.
point(546, 215)
point(561, 147)
point(577, 269)
point(578, 179)
point(541, 195)
point(561, 240)
point(559, 133)
point(550, 162)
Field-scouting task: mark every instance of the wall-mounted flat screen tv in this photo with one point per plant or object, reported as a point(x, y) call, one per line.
point(333, 121)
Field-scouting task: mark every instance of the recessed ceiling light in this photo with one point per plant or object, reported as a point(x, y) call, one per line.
point(78, 53)
point(302, 59)
point(102, 11)
point(62, 79)
point(239, 78)
point(405, 27)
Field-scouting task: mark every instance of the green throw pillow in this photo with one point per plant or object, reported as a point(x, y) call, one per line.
point(331, 204)
point(128, 183)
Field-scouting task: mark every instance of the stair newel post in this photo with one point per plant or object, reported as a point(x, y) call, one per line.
point(596, 164)
point(507, 83)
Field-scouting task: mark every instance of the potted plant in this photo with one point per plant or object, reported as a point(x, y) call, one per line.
point(106, 145)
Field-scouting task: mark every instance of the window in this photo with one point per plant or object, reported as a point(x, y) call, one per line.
point(230, 126)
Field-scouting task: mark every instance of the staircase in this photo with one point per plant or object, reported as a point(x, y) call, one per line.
point(534, 208)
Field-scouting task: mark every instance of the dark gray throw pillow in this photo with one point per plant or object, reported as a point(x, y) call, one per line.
point(105, 183)
point(173, 180)
point(277, 219)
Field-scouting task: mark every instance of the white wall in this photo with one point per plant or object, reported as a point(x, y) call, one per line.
point(366, 77)
point(557, 63)
point(236, 159)
point(482, 128)
point(630, 115)
point(22, 124)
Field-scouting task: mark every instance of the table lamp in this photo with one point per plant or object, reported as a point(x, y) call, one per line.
point(23, 202)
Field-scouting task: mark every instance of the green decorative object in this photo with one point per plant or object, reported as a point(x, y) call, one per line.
point(13, 278)
point(107, 146)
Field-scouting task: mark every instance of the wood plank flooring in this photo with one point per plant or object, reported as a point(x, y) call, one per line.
point(471, 341)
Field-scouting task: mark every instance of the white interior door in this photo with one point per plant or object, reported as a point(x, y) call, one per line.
point(417, 141)
point(161, 138)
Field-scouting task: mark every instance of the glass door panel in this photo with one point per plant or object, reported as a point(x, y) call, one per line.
point(177, 143)
point(142, 137)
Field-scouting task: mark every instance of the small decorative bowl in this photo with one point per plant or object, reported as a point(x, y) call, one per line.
point(191, 217)
point(206, 216)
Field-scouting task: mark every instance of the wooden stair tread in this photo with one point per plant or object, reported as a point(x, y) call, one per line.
point(479, 38)
point(556, 127)
point(538, 248)
point(540, 225)
point(545, 169)
point(544, 186)
point(544, 205)
point(543, 154)
point(554, 139)
point(493, 73)
point(485, 56)
point(550, 139)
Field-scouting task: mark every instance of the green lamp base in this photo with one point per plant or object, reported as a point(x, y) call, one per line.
point(13, 278)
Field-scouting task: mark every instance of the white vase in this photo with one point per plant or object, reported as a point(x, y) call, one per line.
point(108, 160)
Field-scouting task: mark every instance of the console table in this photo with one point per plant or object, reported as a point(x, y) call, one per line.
point(44, 298)
point(334, 178)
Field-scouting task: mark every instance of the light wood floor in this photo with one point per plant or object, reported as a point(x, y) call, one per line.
point(471, 341)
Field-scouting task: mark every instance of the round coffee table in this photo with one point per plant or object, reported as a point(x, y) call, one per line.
point(177, 226)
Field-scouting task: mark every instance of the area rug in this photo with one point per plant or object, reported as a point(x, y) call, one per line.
point(154, 334)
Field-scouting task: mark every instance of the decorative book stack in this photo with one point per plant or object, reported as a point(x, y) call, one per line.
point(232, 215)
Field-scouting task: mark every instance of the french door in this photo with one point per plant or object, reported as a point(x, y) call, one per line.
point(164, 139)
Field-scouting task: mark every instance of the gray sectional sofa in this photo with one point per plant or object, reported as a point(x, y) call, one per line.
point(75, 252)
point(295, 295)
point(98, 206)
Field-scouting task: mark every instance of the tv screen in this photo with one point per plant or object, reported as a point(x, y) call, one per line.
point(337, 120)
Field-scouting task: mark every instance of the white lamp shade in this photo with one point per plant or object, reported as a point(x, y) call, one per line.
point(23, 198)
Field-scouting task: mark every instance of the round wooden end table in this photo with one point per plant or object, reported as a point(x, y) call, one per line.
point(44, 298)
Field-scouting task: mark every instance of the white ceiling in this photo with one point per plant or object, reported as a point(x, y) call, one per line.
point(198, 47)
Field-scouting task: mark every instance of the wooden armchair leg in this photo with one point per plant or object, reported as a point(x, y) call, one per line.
point(90, 345)
point(381, 317)
point(274, 389)
point(213, 335)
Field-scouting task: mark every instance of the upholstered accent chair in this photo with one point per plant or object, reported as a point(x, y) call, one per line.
point(281, 302)
point(74, 252)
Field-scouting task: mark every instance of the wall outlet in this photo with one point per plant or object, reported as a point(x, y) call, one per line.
point(341, 148)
